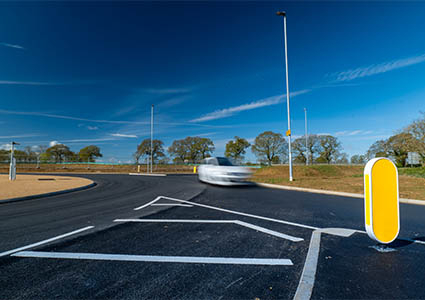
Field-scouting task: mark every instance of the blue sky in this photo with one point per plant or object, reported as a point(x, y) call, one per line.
point(87, 73)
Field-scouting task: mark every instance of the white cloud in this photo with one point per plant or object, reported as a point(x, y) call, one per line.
point(47, 115)
point(353, 132)
point(89, 140)
point(124, 135)
point(6, 147)
point(378, 68)
point(227, 112)
point(12, 46)
point(53, 143)
point(10, 112)
point(173, 101)
point(92, 127)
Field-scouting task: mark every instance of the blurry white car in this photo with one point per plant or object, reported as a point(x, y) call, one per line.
point(219, 170)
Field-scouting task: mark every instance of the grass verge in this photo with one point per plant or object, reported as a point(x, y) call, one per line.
point(94, 168)
point(339, 178)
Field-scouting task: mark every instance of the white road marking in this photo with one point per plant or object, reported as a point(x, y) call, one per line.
point(173, 221)
point(241, 213)
point(306, 284)
point(46, 241)
point(149, 203)
point(268, 231)
point(241, 223)
point(149, 258)
point(171, 204)
point(343, 232)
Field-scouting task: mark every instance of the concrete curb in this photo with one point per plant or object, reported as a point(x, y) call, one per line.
point(48, 194)
point(352, 195)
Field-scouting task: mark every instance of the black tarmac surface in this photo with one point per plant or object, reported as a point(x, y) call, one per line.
point(347, 268)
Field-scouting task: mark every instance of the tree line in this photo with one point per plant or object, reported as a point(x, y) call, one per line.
point(58, 153)
point(269, 148)
point(409, 139)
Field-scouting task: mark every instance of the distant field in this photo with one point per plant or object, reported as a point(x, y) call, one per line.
point(340, 178)
point(94, 168)
point(416, 172)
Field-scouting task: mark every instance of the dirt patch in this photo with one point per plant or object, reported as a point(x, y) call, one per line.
point(334, 178)
point(28, 185)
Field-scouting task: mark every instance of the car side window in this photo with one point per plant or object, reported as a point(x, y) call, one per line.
point(214, 162)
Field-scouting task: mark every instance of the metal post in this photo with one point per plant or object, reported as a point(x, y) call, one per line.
point(151, 138)
point(287, 95)
point(306, 137)
point(12, 168)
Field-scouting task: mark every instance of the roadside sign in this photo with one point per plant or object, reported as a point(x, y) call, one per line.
point(288, 132)
point(382, 214)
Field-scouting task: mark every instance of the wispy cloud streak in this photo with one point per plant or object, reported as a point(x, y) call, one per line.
point(11, 82)
point(227, 112)
point(45, 83)
point(47, 115)
point(124, 135)
point(19, 136)
point(378, 68)
point(168, 91)
point(12, 46)
point(38, 114)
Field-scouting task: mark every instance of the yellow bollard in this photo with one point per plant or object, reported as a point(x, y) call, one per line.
point(194, 169)
point(382, 214)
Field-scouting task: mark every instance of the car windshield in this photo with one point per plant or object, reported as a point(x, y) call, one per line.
point(222, 161)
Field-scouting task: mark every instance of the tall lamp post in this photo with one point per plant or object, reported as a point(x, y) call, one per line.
point(151, 162)
point(288, 133)
point(12, 169)
point(306, 137)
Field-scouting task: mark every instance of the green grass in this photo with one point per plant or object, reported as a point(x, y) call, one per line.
point(357, 175)
point(416, 172)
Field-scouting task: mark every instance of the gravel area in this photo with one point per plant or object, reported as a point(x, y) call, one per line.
point(28, 185)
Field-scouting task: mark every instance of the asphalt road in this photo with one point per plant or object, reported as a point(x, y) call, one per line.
point(203, 242)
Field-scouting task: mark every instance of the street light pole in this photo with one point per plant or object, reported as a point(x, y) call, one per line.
point(151, 162)
point(288, 133)
point(306, 137)
point(12, 168)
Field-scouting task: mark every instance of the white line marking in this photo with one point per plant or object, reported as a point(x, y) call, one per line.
point(306, 284)
point(271, 232)
point(242, 214)
point(343, 232)
point(173, 221)
point(149, 258)
point(244, 224)
point(45, 241)
point(171, 204)
point(149, 203)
